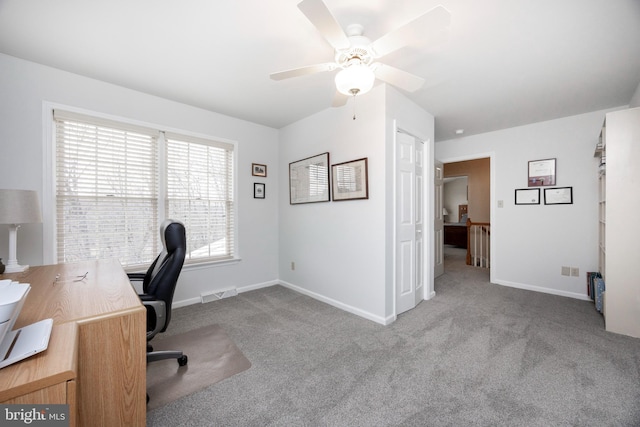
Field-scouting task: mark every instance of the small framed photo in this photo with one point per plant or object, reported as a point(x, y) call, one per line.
point(542, 173)
point(528, 196)
point(259, 189)
point(350, 180)
point(558, 196)
point(258, 170)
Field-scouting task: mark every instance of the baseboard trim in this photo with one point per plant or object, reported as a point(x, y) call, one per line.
point(365, 314)
point(541, 289)
point(186, 302)
point(198, 299)
point(257, 286)
point(348, 308)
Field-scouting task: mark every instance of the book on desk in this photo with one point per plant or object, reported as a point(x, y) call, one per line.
point(16, 345)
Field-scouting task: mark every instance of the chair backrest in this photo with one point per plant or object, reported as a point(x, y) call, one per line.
point(162, 276)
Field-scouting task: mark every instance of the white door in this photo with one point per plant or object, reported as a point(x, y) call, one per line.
point(409, 222)
point(438, 223)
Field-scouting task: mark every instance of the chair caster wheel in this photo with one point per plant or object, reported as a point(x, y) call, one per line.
point(183, 360)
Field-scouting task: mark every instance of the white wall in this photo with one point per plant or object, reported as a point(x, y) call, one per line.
point(338, 247)
point(454, 194)
point(25, 86)
point(532, 243)
point(341, 249)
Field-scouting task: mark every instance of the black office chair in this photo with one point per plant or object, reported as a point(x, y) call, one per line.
point(158, 285)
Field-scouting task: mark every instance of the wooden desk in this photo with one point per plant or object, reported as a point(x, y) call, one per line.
point(111, 328)
point(49, 376)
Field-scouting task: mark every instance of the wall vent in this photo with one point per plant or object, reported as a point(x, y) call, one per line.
point(216, 295)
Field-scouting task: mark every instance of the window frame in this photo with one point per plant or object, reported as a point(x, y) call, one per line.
point(214, 144)
point(49, 181)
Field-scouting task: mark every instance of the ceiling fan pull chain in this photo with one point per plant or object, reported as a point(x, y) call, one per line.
point(354, 107)
point(354, 92)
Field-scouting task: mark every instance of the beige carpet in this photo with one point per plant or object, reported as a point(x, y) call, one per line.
point(213, 356)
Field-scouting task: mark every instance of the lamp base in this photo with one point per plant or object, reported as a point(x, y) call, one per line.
point(12, 262)
point(15, 268)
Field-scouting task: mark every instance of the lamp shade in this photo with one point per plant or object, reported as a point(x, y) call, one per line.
point(19, 207)
point(356, 79)
point(444, 211)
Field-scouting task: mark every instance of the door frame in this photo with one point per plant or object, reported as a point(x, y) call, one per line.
point(438, 219)
point(428, 214)
point(492, 202)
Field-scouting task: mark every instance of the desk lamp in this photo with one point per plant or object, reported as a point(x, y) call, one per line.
point(17, 207)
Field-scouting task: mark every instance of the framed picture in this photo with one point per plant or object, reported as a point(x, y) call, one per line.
point(309, 180)
point(528, 196)
point(558, 196)
point(259, 190)
point(258, 170)
point(542, 172)
point(350, 180)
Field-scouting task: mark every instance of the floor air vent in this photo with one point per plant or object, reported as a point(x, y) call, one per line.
point(214, 296)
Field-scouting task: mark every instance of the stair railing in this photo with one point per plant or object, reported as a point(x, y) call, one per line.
point(478, 243)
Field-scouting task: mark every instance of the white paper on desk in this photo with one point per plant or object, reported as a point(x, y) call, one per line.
point(12, 298)
point(25, 342)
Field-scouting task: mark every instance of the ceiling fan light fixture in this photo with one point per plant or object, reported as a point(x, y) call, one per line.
point(356, 79)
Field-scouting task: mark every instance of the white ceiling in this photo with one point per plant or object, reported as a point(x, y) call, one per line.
point(504, 63)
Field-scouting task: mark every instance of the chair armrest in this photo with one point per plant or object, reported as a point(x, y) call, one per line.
point(136, 277)
point(159, 309)
point(146, 297)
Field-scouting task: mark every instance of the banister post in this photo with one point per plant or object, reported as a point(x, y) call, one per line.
point(468, 241)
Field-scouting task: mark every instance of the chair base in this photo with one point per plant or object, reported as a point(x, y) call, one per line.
point(163, 355)
point(154, 356)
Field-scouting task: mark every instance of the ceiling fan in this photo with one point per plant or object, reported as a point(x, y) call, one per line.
point(356, 55)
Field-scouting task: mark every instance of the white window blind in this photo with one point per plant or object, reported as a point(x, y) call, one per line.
point(200, 194)
point(108, 197)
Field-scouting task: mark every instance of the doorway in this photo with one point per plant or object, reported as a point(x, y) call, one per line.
point(466, 194)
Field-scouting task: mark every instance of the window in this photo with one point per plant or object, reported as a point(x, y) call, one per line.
point(200, 194)
point(116, 182)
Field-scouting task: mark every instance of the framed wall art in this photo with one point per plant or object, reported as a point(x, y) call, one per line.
point(528, 196)
point(259, 189)
point(350, 180)
point(258, 170)
point(309, 180)
point(542, 172)
point(558, 196)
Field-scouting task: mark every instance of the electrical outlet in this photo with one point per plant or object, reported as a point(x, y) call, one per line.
point(293, 265)
point(566, 271)
point(575, 271)
point(500, 203)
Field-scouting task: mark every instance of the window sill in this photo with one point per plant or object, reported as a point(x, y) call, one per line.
point(198, 265)
point(188, 266)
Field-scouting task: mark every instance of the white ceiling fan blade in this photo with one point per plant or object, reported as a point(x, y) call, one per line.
point(401, 79)
point(316, 12)
point(339, 99)
point(303, 71)
point(424, 26)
